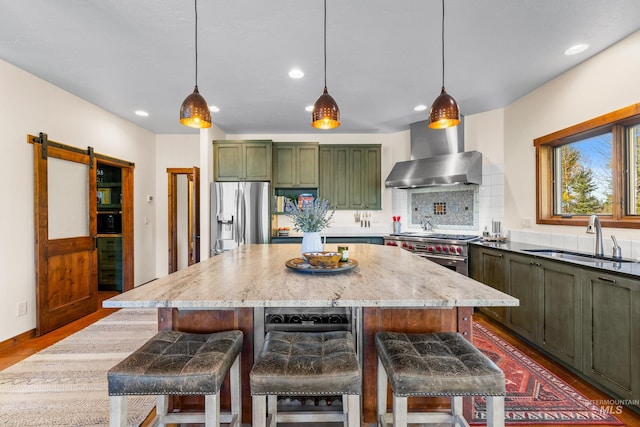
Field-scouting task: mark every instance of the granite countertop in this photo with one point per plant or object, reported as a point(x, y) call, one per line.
point(256, 276)
point(630, 267)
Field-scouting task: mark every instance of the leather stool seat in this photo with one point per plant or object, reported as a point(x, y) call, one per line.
point(305, 364)
point(436, 364)
point(177, 363)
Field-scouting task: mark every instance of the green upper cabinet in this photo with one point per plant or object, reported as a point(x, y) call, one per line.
point(295, 164)
point(242, 160)
point(350, 176)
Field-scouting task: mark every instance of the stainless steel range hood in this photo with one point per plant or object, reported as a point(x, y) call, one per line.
point(458, 168)
point(438, 159)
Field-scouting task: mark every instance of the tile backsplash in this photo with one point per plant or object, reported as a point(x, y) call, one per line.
point(451, 207)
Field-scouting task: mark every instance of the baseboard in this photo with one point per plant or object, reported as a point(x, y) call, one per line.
point(7, 344)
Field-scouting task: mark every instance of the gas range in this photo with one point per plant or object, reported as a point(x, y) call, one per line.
point(435, 243)
point(450, 250)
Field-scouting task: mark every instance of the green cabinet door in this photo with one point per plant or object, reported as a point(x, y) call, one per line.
point(493, 268)
point(307, 165)
point(227, 162)
point(257, 158)
point(488, 266)
point(611, 332)
point(295, 165)
point(561, 328)
point(525, 283)
point(350, 176)
point(242, 160)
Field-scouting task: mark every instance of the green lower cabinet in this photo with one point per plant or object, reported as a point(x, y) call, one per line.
point(525, 283)
point(584, 318)
point(611, 331)
point(549, 313)
point(488, 266)
point(561, 327)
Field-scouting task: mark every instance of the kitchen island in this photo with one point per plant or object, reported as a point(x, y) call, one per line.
point(392, 289)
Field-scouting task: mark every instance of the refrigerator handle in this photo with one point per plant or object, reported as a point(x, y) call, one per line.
point(239, 223)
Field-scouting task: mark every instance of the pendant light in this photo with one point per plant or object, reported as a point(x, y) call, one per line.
point(444, 111)
point(326, 114)
point(194, 111)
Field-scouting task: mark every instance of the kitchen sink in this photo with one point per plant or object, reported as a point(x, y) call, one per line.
point(576, 256)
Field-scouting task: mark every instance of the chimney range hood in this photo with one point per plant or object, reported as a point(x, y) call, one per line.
point(457, 168)
point(438, 159)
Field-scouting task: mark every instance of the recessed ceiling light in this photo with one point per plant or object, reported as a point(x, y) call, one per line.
point(420, 107)
point(308, 108)
point(573, 50)
point(142, 113)
point(296, 73)
point(214, 108)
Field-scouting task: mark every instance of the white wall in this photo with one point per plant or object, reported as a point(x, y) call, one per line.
point(602, 84)
point(31, 105)
point(484, 132)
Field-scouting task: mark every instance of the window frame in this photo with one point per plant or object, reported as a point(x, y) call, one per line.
point(614, 122)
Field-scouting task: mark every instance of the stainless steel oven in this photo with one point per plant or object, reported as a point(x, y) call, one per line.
point(448, 250)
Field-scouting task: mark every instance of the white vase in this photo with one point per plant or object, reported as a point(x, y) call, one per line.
point(311, 242)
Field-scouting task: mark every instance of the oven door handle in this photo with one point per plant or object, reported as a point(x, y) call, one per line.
point(443, 257)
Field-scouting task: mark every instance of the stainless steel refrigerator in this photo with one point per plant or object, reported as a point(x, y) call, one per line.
point(240, 214)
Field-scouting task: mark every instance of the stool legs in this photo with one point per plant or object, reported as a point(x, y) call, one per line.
point(381, 395)
point(495, 411)
point(117, 411)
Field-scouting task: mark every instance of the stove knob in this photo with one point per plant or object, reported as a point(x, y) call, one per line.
point(459, 250)
point(445, 249)
point(438, 248)
point(452, 249)
point(430, 249)
point(410, 247)
point(404, 245)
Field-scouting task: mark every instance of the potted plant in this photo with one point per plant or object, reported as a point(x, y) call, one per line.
point(310, 217)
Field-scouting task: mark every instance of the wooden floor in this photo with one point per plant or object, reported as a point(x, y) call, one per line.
point(23, 350)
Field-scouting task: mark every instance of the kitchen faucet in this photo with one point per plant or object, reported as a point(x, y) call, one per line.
point(426, 224)
point(594, 221)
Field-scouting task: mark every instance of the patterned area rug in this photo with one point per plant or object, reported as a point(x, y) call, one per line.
point(66, 384)
point(534, 395)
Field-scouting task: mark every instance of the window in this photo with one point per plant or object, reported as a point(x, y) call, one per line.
point(592, 168)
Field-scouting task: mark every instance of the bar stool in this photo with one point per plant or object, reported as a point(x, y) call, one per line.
point(435, 364)
point(306, 364)
point(180, 363)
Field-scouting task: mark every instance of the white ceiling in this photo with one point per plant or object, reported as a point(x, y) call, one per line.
point(383, 55)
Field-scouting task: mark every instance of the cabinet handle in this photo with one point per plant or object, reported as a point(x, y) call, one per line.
point(606, 279)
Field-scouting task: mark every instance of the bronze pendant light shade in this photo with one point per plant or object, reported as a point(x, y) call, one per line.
point(444, 111)
point(194, 111)
point(326, 114)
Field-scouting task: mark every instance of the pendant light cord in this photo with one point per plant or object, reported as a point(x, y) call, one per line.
point(195, 2)
point(325, 43)
point(442, 38)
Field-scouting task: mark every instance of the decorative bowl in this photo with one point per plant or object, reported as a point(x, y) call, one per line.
point(323, 259)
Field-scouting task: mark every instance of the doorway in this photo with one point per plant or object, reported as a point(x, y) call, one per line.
point(65, 216)
point(183, 217)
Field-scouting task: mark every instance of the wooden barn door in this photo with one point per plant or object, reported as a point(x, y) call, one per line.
point(65, 229)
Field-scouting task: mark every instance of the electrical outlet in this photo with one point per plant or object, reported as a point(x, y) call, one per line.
point(22, 308)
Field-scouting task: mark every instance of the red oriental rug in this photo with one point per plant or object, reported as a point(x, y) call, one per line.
point(534, 395)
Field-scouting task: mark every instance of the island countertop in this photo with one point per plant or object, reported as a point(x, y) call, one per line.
point(256, 276)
